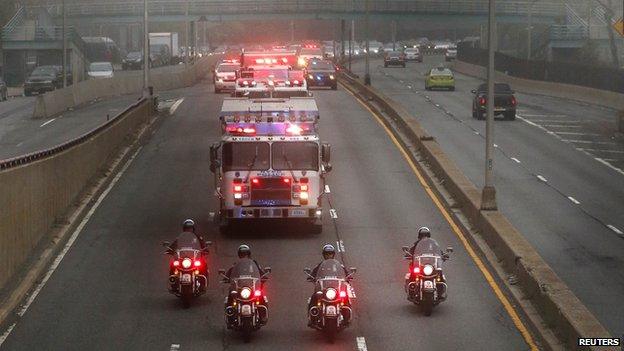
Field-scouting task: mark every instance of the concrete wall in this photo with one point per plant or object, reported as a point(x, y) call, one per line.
point(567, 91)
point(165, 78)
point(35, 195)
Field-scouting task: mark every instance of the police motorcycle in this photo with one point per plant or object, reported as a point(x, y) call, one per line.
point(330, 306)
point(246, 304)
point(188, 270)
point(425, 284)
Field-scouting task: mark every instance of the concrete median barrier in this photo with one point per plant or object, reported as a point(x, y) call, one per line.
point(557, 305)
point(567, 91)
point(37, 190)
point(166, 78)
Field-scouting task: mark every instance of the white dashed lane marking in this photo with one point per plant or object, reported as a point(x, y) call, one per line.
point(340, 246)
point(616, 230)
point(48, 122)
point(361, 343)
point(516, 160)
point(333, 213)
point(575, 201)
point(174, 347)
point(540, 177)
point(327, 190)
point(175, 106)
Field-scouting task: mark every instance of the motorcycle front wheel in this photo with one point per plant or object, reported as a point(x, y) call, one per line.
point(331, 330)
point(246, 328)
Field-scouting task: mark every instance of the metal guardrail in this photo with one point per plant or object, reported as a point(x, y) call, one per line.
point(548, 8)
point(568, 32)
point(37, 155)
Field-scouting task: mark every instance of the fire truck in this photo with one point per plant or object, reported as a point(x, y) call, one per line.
point(270, 162)
point(270, 74)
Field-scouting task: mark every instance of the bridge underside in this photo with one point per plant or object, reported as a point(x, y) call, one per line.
point(431, 21)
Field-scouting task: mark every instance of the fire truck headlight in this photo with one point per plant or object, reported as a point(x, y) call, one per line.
point(319, 213)
point(301, 61)
point(310, 76)
point(238, 196)
point(303, 196)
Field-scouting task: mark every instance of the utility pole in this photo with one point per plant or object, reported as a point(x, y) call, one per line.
point(64, 36)
point(342, 39)
point(529, 31)
point(350, 40)
point(488, 195)
point(186, 36)
point(146, 52)
point(367, 80)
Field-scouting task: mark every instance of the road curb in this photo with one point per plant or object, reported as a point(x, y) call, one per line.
point(557, 306)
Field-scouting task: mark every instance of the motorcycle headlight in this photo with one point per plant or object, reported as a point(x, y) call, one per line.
point(428, 269)
point(245, 293)
point(186, 263)
point(330, 293)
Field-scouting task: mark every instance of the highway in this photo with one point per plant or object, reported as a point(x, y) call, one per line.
point(558, 171)
point(110, 288)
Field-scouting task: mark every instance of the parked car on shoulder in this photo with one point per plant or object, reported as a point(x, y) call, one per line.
point(100, 70)
point(43, 79)
point(505, 102)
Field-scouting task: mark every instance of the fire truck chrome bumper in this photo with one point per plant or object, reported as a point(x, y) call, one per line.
point(273, 212)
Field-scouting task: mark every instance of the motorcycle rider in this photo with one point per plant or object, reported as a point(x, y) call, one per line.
point(244, 252)
point(190, 238)
point(425, 234)
point(329, 253)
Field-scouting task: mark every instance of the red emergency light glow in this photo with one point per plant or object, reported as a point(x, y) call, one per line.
point(304, 187)
point(343, 294)
point(176, 263)
point(240, 130)
point(197, 263)
point(258, 293)
point(416, 270)
point(238, 188)
point(255, 181)
point(286, 180)
point(294, 129)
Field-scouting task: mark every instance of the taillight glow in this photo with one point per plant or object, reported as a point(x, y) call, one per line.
point(255, 181)
point(238, 188)
point(481, 101)
point(286, 180)
point(513, 101)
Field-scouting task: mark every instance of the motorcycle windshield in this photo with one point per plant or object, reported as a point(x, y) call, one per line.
point(330, 274)
point(188, 241)
point(245, 273)
point(426, 252)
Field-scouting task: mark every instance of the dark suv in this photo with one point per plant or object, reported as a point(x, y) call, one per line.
point(394, 58)
point(42, 79)
point(321, 73)
point(505, 102)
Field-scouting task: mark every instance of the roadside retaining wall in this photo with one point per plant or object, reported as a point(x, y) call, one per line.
point(36, 190)
point(567, 91)
point(556, 303)
point(127, 82)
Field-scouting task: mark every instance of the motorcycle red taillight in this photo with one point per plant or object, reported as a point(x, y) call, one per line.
point(343, 294)
point(175, 263)
point(416, 270)
point(258, 293)
point(197, 263)
point(481, 101)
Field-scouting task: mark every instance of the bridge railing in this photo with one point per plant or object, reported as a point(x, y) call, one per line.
point(568, 32)
point(550, 8)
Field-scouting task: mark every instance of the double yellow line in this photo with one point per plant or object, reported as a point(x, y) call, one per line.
point(528, 338)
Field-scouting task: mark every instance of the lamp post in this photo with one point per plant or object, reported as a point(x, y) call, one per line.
point(488, 195)
point(64, 35)
point(146, 51)
point(186, 36)
point(367, 80)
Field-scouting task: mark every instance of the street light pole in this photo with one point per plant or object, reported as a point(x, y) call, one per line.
point(186, 36)
point(529, 31)
point(488, 195)
point(146, 52)
point(367, 80)
point(64, 35)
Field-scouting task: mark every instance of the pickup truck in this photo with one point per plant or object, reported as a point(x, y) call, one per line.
point(505, 102)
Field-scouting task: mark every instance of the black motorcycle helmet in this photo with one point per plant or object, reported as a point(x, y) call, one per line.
point(424, 232)
point(188, 225)
point(244, 251)
point(329, 252)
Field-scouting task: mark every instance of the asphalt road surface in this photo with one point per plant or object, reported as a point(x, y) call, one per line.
point(557, 170)
point(110, 289)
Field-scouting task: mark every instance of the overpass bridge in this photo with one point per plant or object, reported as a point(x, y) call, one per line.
point(548, 11)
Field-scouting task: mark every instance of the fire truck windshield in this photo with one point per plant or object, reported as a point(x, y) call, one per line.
point(227, 68)
point(299, 156)
point(242, 156)
point(271, 73)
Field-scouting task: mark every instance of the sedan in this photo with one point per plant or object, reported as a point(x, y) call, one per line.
point(100, 70)
point(440, 78)
point(394, 58)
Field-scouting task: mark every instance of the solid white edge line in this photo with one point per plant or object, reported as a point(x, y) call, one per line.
point(361, 343)
point(6, 333)
point(175, 106)
point(70, 242)
point(615, 229)
point(574, 200)
point(540, 177)
point(48, 122)
point(327, 190)
point(609, 165)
